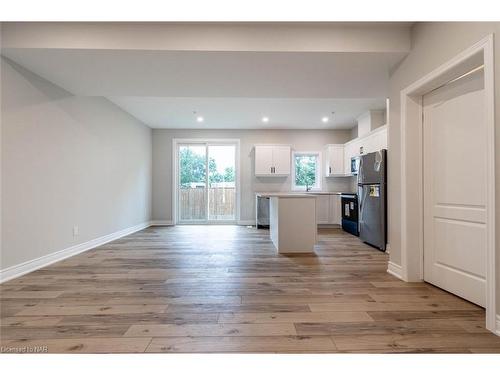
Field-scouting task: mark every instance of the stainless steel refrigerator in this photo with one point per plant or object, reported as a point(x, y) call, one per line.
point(372, 199)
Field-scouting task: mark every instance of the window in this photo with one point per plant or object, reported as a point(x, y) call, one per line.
point(306, 171)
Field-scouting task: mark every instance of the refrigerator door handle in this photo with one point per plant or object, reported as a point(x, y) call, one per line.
point(361, 203)
point(360, 218)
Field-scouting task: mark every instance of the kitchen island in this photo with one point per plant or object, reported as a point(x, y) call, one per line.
point(292, 221)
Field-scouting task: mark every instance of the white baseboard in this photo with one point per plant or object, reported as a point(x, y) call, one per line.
point(246, 222)
point(395, 270)
point(497, 328)
point(32, 265)
point(161, 223)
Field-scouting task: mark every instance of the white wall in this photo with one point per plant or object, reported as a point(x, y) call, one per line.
point(67, 161)
point(301, 140)
point(432, 45)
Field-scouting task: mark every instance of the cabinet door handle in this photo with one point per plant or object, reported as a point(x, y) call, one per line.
point(274, 169)
point(330, 170)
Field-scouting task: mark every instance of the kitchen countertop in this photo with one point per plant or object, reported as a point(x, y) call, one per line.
point(284, 195)
point(298, 194)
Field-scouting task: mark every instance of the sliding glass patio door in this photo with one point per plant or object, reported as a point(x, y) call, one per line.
point(206, 182)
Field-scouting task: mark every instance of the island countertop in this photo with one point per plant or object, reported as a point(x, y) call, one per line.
point(297, 194)
point(284, 195)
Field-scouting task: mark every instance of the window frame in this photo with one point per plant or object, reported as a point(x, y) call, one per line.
point(319, 176)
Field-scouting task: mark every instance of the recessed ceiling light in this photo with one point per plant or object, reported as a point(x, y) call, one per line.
point(265, 119)
point(324, 119)
point(200, 119)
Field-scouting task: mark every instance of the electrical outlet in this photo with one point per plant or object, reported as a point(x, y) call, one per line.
point(75, 231)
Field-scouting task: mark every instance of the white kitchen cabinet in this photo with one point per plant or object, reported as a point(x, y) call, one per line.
point(272, 160)
point(328, 210)
point(374, 141)
point(323, 209)
point(348, 153)
point(369, 144)
point(335, 212)
point(351, 150)
point(380, 140)
point(334, 161)
point(263, 160)
point(281, 160)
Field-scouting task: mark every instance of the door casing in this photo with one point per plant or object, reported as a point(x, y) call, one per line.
point(411, 172)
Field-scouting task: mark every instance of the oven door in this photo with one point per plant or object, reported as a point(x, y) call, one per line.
point(349, 208)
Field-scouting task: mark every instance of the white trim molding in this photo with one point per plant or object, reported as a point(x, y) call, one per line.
point(161, 223)
point(497, 330)
point(46, 260)
point(246, 222)
point(411, 172)
point(395, 270)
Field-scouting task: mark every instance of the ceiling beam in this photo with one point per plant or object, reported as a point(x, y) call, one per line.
point(253, 36)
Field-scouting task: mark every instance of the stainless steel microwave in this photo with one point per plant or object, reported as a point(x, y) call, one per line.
point(355, 165)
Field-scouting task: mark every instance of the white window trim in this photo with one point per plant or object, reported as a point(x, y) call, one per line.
point(319, 168)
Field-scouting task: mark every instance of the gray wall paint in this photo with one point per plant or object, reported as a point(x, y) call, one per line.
point(432, 45)
point(301, 140)
point(67, 161)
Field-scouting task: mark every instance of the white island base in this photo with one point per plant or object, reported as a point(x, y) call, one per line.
point(292, 222)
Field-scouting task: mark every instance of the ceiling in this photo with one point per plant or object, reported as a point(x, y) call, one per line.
point(247, 113)
point(211, 74)
point(230, 89)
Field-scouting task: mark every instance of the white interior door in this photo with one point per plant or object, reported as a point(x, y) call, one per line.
point(455, 143)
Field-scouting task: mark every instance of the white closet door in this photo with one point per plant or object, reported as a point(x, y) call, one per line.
point(455, 188)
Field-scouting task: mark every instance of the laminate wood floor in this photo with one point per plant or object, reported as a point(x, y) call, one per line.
point(225, 289)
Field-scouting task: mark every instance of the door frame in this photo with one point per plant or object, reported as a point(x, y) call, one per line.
point(412, 216)
point(175, 176)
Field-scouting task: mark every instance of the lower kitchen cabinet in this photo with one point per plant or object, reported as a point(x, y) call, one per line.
point(328, 210)
point(335, 210)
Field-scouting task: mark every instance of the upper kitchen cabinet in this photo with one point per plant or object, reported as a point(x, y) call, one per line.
point(376, 140)
point(272, 160)
point(371, 136)
point(335, 160)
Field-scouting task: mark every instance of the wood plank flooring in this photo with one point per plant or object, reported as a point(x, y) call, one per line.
point(225, 289)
